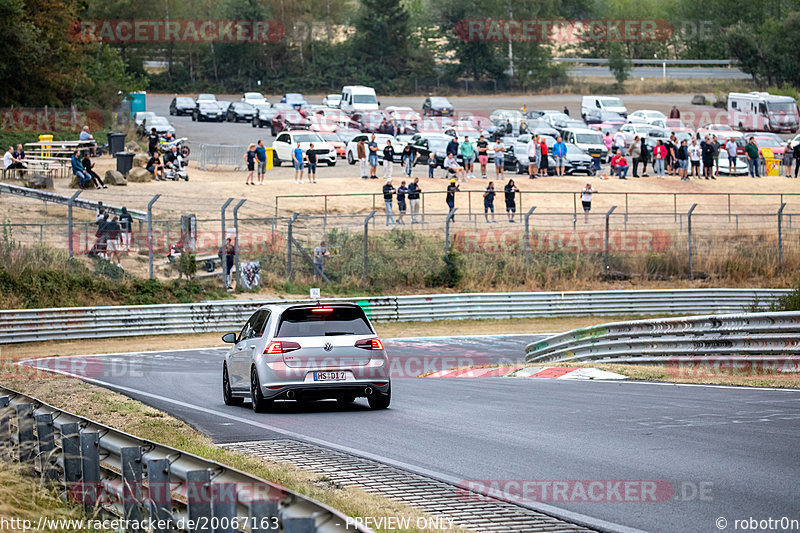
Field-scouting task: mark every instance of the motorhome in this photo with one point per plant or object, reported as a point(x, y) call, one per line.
point(759, 111)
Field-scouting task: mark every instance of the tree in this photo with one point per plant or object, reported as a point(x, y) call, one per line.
point(619, 65)
point(381, 38)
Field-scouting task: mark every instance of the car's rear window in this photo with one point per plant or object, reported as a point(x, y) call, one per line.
point(305, 322)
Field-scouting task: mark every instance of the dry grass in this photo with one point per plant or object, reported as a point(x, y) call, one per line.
point(136, 418)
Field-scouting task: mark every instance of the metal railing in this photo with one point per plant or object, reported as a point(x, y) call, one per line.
point(27, 325)
point(736, 336)
point(121, 475)
point(54, 198)
point(216, 155)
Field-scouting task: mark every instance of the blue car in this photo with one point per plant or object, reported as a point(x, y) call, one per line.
point(294, 99)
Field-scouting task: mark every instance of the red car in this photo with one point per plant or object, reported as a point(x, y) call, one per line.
point(377, 121)
point(289, 119)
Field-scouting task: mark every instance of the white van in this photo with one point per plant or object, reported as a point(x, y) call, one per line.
point(591, 106)
point(590, 141)
point(757, 111)
point(358, 98)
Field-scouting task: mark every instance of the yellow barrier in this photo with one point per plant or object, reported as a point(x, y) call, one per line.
point(270, 157)
point(46, 138)
point(773, 164)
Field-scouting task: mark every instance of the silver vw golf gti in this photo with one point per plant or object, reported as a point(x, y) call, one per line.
point(306, 352)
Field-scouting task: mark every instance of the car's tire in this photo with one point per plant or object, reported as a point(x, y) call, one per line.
point(171, 113)
point(258, 402)
point(194, 117)
point(254, 123)
point(350, 158)
point(380, 401)
point(227, 393)
point(272, 131)
point(276, 161)
point(332, 163)
point(519, 168)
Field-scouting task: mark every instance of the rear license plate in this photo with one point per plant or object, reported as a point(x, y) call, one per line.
point(330, 376)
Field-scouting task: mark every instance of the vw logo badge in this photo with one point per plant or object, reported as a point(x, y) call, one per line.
point(328, 347)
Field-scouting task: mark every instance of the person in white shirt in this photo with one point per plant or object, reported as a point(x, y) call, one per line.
point(586, 201)
point(499, 158)
point(730, 147)
point(694, 157)
point(453, 168)
point(9, 161)
point(620, 143)
point(532, 152)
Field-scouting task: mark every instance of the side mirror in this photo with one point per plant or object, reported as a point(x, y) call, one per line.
point(230, 338)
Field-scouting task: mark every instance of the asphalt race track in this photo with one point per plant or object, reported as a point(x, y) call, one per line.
point(727, 452)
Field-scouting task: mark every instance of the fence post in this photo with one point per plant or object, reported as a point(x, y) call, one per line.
point(159, 495)
point(528, 236)
point(447, 230)
point(689, 227)
point(198, 500)
point(606, 244)
point(263, 515)
point(366, 245)
point(5, 429)
point(236, 243)
point(780, 234)
point(47, 446)
point(71, 454)
point(289, 242)
point(90, 469)
point(25, 438)
point(223, 507)
point(70, 202)
point(150, 232)
point(131, 458)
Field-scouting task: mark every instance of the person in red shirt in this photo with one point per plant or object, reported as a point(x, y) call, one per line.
point(544, 163)
point(620, 164)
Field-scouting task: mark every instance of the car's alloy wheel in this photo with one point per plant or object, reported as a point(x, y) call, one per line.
point(350, 158)
point(227, 393)
point(276, 161)
point(256, 397)
point(380, 401)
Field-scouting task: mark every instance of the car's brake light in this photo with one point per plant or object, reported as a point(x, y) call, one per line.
point(369, 344)
point(278, 347)
point(322, 310)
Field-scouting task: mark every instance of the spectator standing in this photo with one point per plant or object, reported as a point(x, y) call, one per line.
point(261, 159)
point(414, 191)
point(586, 201)
point(788, 155)
point(488, 202)
point(388, 159)
point(373, 158)
point(361, 153)
point(532, 152)
point(450, 198)
point(311, 160)
point(452, 147)
point(468, 157)
point(635, 151)
point(408, 159)
point(717, 146)
point(228, 255)
point(402, 192)
point(694, 157)
point(431, 165)
point(126, 227)
point(88, 166)
point(796, 154)
point(609, 143)
point(751, 151)
point(483, 154)
point(388, 193)
point(297, 159)
point(560, 153)
point(320, 252)
point(100, 245)
point(683, 160)
point(731, 148)
point(659, 158)
point(669, 160)
point(86, 137)
point(249, 158)
point(499, 158)
point(544, 163)
point(707, 153)
point(77, 169)
point(645, 157)
point(674, 112)
point(113, 231)
point(566, 110)
point(510, 191)
point(619, 142)
point(152, 142)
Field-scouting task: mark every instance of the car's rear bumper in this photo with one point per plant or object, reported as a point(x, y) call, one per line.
point(322, 391)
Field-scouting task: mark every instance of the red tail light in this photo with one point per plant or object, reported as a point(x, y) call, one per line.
point(322, 310)
point(370, 344)
point(279, 347)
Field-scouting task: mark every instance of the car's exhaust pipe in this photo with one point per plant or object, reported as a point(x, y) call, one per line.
point(368, 391)
point(290, 394)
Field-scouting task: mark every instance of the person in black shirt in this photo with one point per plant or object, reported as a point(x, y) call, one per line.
point(483, 155)
point(152, 142)
point(707, 153)
point(488, 202)
point(89, 166)
point(452, 147)
point(126, 226)
point(402, 191)
point(388, 192)
point(388, 159)
point(408, 159)
point(452, 189)
point(155, 167)
point(682, 156)
point(311, 157)
point(511, 191)
point(796, 153)
point(413, 199)
point(112, 231)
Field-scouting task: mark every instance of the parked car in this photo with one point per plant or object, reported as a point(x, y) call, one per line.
point(591, 106)
point(207, 111)
point(223, 105)
point(516, 155)
point(649, 116)
point(425, 144)
point(286, 141)
point(538, 126)
point(329, 119)
point(769, 140)
point(587, 140)
point(377, 121)
point(240, 112)
point(205, 98)
point(306, 352)
point(139, 119)
point(332, 100)
point(264, 114)
point(408, 120)
point(380, 138)
point(556, 119)
point(720, 130)
point(610, 127)
point(631, 130)
point(254, 98)
point(294, 99)
point(289, 119)
point(507, 121)
point(576, 160)
point(161, 124)
point(181, 105)
point(347, 134)
point(334, 140)
point(437, 106)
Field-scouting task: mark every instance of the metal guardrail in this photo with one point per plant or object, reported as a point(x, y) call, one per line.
point(689, 62)
point(139, 480)
point(214, 155)
point(64, 200)
point(27, 325)
point(737, 336)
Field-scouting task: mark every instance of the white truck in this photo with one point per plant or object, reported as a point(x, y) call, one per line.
point(759, 111)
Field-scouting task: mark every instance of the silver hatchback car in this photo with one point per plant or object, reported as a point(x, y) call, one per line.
point(306, 352)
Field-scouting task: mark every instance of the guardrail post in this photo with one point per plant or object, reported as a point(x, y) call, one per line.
point(607, 237)
point(289, 246)
point(223, 506)
point(236, 243)
point(528, 236)
point(366, 245)
point(150, 232)
point(71, 454)
point(70, 203)
point(198, 499)
point(25, 440)
point(299, 525)
point(131, 457)
point(90, 470)
point(689, 228)
point(263, 515)
point(224, 238)
point(47, 446)
point(450, 217)
point(160, 497)
point(780, 234)
point(5, 429)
